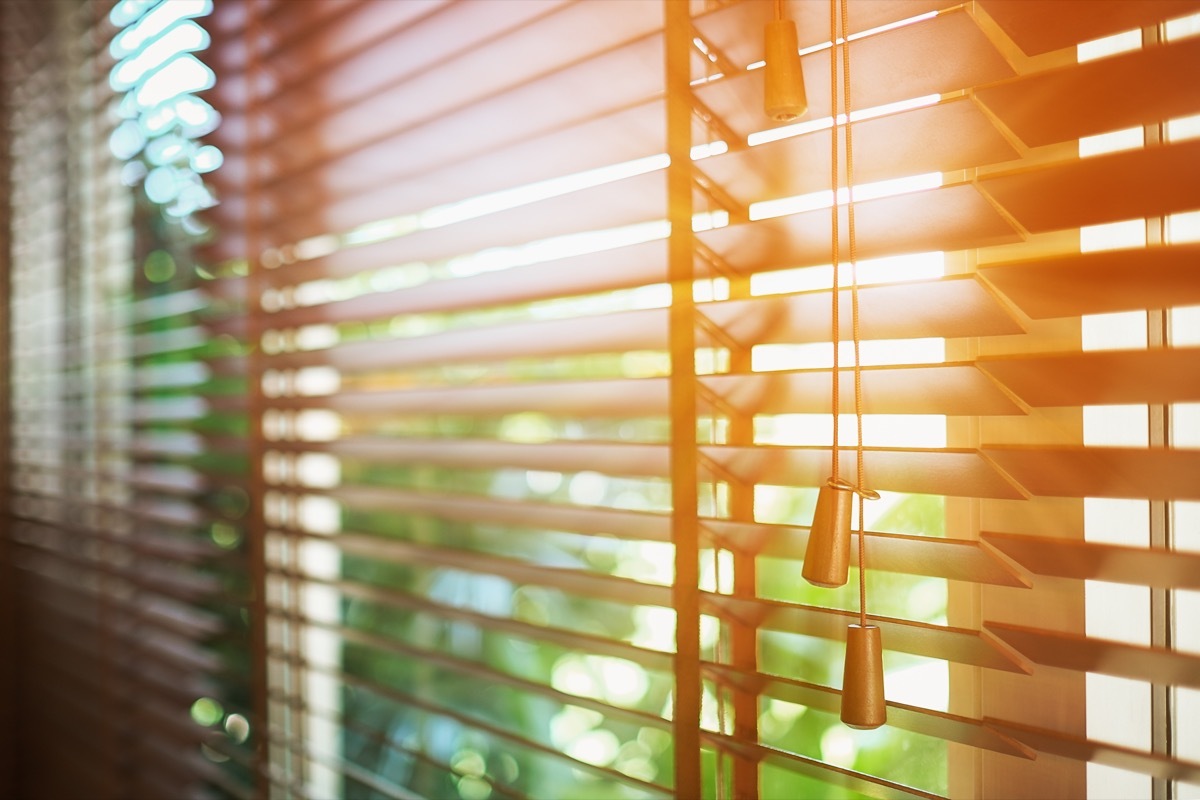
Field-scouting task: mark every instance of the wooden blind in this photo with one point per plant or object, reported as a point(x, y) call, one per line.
point(126, 483)
point(538, 322)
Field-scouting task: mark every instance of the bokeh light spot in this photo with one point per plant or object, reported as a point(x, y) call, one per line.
point(207, 712)
point(238, 728)
point(159, 266)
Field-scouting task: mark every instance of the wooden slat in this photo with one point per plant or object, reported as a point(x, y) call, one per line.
point(395, 93)
point(946, 307)
point(390, 744)
point(947, 727)
point(965, 58)
point(946, 471)
point(631, 397)
point(1076, 101)
point(959, 473)
point(571, 581)
point(347, 60)
point(1086, 750)
point(170, 512)
point(612, 205)
point(353, 773)
point(1154, 181)
point(329, 32)
point(527, 515)
point(952, 389)
point(938, 138)
point(598, 398)
point(615, 268)
point(1053, 24)
point(736, 30)
point(629, 265)
point(1064, 558)
point(486, 675)
point(861, 783)
point(410, 171)
point(156, 509)
point(955, 306)
point(177, 375)
point(174, 340)
point(575, 640)
point(1098, 283)
point(1101, 471)
point(165, 608)
point(419, 702)
point(183, 586)
point(168, 479)
point(1100, 378)
point(610, 458)
point(185, 301)
point(952, 217)
point(953, 559)
point(176, 549)
point(153, 643)
point(1072, 651)
point(635, 330)
point(960, 645)
point(177, 444)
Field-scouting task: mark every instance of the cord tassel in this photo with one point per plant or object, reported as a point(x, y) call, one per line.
point(863, 703)
point(827, 556)
point(785, 98)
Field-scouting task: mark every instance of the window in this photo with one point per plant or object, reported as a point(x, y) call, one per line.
point(451, 427)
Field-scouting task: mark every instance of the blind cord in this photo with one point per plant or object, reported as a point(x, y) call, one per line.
point(835, 234)
point(860, 471)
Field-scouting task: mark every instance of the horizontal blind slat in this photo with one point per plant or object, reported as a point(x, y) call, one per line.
point(1086, 750)
point(531, 135)
point(959, 645)
point(949, 727)
point(1168, 569)
point(942, 137)
point(552, 752)
point(861, 782)
point(1078, 379)
point(952, 217)
point(966, 58)
point(955, 472)
point(953, 559)
point(725, 26)
point(1160, 665)
point(524, 513)
point(1100, 471)
point(961, 389)
point(477, 670)
point(571, 639)
point(575, 581)
point(616, 268)
point(1101, 282)
point(1148, 182)
point(1054, 24)
point(1072, 102)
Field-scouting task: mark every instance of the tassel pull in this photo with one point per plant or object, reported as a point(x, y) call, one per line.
point(784, 89)
point(863, 703)
point(827, 557)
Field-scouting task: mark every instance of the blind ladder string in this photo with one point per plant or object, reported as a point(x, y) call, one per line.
point(721, 645)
